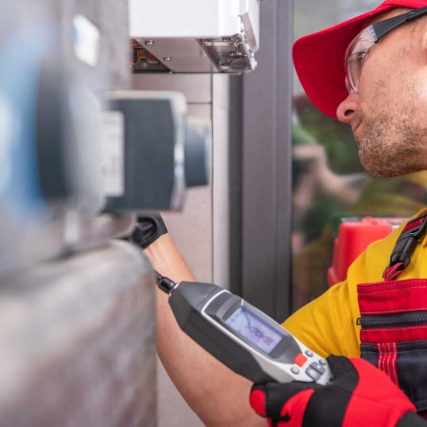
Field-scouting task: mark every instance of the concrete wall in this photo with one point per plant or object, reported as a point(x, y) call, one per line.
point(78, 342)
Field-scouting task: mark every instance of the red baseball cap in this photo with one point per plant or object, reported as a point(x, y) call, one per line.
point(319, 57)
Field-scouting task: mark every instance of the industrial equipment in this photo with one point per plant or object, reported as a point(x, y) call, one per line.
point(192, 36)
point(49, 134)
point(163, 151)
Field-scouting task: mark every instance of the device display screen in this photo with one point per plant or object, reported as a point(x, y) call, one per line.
point(254, 329)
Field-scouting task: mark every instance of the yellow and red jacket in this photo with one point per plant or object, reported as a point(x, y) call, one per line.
point(329, 323)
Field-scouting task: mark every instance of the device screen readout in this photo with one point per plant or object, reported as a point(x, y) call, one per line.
point(254, 329)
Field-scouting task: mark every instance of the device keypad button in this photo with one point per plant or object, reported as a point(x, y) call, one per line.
point(312, 373)
point(309, 353)
point(295, 370)
point(300, 359)
point(316, 366)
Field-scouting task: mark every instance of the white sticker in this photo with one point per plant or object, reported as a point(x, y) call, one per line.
point(86, 40)
point(6, 138)
point(112, 166)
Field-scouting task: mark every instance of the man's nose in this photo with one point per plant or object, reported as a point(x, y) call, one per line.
point(347, 108)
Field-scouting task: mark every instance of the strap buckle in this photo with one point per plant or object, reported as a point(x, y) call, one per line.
point(405, 245)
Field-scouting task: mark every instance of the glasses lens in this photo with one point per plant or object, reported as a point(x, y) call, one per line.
point(354, 69)
point(355, 56)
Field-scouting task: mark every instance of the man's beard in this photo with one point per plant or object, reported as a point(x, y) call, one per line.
point(390, 146)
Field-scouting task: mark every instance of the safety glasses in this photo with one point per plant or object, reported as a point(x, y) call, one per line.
point(358, 49)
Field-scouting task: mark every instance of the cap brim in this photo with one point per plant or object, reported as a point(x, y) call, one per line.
point(319, 60)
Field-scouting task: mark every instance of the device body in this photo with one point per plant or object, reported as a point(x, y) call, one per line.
point(242, 337)
point(164, 151)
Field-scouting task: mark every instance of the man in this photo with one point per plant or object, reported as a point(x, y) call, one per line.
point(371, 73)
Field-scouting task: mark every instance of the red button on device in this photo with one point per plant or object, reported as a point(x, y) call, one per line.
point(300, 359)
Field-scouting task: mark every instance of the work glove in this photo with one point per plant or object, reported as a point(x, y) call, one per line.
point(359, 395)
point(148, 229)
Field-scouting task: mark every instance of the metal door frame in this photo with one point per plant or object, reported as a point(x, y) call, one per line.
point(260, 168)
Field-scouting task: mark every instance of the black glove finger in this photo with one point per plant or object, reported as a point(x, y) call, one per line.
point(148, 229)
point(344, 374)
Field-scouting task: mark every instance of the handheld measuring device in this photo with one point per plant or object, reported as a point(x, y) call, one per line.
point(242, 337)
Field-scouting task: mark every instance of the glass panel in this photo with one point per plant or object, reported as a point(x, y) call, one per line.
point(328, 181)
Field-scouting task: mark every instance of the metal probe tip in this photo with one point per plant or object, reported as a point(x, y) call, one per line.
point(165, 284)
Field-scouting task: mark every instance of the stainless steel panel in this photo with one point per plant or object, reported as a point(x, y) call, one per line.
point(195, 87)
point(78, 343)
point(180, 55)
point(221, 182)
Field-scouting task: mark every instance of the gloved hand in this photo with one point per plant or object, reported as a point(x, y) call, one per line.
point(148, 229)
point(360, 395)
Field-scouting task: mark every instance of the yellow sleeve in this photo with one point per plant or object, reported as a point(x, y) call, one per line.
point(326, 325)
